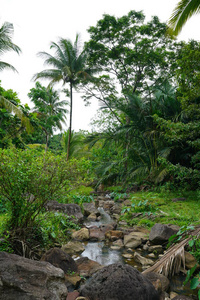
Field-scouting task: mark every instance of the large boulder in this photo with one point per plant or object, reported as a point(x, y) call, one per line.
point(70, 209)
point(118, 281)
point(160, 233)
point(26, 279)
point(60, 259)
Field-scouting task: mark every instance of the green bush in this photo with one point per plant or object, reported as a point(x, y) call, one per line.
point(28, 179)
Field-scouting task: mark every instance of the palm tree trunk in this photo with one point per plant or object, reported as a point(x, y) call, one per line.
point(70, 123)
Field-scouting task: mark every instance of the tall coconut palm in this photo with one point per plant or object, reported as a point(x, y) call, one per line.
point(6, 44)
point(182, 12)
point(69, 66)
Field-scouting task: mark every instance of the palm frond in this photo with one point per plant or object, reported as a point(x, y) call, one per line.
point(17, 111)
point(182, 12)
point(174, 258)
point(4, 65)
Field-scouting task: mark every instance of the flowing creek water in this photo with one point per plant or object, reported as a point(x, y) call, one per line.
point(102, 253)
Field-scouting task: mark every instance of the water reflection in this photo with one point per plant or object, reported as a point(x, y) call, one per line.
point(102, 254)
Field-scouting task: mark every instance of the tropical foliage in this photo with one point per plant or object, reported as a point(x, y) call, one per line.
point(184, 10)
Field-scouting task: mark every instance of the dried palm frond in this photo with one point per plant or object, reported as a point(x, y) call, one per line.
point(174, 258)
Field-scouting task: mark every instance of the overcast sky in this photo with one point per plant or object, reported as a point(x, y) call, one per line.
point(38, 22)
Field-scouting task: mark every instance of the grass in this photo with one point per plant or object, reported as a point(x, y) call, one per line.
point(167, 212)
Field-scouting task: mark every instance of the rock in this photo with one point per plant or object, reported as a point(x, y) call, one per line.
point(134, 239)
point(160, 233)
point(156, 249)
point(113, 235)
point(73, 280)
point(117, 282)
point(127, 255)
point(26, 279)
point(69, 209)
point(155, 277)
point(92, 217)
point(81, 235)
point(108, 205)
point(173, 295)
point(73, 247)
point(143, 260)
point(117, 245)
point(73, 295)
point(60, 259)
point(190, 260)
point(89, 208)
point(96, 234)
point(87, 267)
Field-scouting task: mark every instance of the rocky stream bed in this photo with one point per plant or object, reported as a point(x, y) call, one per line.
point(105, 260)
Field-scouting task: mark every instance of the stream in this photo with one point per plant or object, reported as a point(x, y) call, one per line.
point(102, 253)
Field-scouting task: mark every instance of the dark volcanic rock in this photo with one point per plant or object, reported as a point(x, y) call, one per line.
point(60, 259)
point(26, 279)
point(117, 282)
point(69, 209)
point(160, 233)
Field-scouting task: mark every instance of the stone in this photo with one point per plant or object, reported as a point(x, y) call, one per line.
point(89, 208)
point(117, 245)
point(143, 260)
point(134, 239)
point(117, 282)
point(155, 277)
point(73, 248)
point(26, 279)
point(73, 295)
point(155, 249)
point(69, 209)
point(113, 235)
point(81, 235)
point(160, 233)
point(92, 217)
point(173, 295)
point(87, 267)
point(190, 260)
point(98, 233)
point(108, 205)
point(60, 259)
point(73, 280)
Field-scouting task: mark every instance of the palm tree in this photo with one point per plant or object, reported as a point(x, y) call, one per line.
point(6, 44)
point(49, 108)
point(182, 12)
point(68, 65)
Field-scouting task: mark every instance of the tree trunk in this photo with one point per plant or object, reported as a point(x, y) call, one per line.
point(70, 123)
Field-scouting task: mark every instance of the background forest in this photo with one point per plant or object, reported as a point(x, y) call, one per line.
point(146, 135)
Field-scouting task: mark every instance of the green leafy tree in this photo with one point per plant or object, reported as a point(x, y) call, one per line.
point(184, 10)
point(49, 109)
point(137, 62)
point(6, 44)
point(69, 66)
